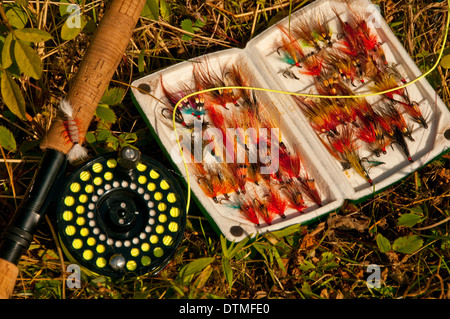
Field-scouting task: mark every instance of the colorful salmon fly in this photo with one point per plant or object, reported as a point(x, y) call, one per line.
point(290, 49)
point(294, 196)
point(345, 150)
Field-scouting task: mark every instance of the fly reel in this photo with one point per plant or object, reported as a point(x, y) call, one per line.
point(121, 215)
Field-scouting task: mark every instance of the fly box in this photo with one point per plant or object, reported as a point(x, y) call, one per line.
point(262, 152)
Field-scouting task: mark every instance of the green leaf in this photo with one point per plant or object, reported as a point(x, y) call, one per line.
point(395, 24)
point(90, 25)
point(194, 267)
point(105, 113)
point(2, 43)
point(445, 243)
point(127, 139)
point(306, 289)
point(409, 219)
point(277, 256)
point(186, 25)
point(165, 9)
point(203, 277)
point(104, 135)
point(12, 96)
point(223, 242)
point(198, 24)
point(407, 244)
point(17, 17)
point(151, 10)
point(27, 59)
point(306, 265)
point(90, 137)
point(228, 272)
point(383, 243)
point(445, 62)
point(67, 7)
point(113, 96)
point(73, 26)
point(7, 140)
point(7, 51)
point(32, 35)
point(14, 70)
point(238, 247)
point(416, 210)
point(141, 61)
point(286, 231)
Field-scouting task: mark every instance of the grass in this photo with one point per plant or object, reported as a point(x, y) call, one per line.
point(327, 259)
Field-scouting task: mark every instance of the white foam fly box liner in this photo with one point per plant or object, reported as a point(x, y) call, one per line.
point(262, 62)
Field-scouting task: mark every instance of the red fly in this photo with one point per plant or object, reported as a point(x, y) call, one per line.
point(263, 211)
point(370, 132)
point(312, 65)
point(245, 206)
point(292, 51)
point(303, 31)
point(205, 78)
point(275, 203)
point(308, 186)
point(72, 133)
point(350, 40)
point(294, 196)
point(319, 117)
point(290, 164)
point(345, 149)
point(340, 63)
point(393, 124)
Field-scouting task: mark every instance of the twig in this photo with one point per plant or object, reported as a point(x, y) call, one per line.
point(60, 254)
point(18, 126)
point(434, 225)
point(255, 17)
point(10, 173)
point(221, 42)
point(16, 161)
point(427, 286)
point(242, 15)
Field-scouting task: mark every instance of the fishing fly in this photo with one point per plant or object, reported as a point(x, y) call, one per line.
point(345, 149)
point(290, 49)
point(205, 78)
point(193, 106)
point(72, 133)
point(294, 196)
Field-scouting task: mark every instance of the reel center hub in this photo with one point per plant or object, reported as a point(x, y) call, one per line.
point(122, 215)
point(122, 211)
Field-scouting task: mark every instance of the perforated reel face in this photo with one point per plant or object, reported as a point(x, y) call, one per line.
point(117, 221)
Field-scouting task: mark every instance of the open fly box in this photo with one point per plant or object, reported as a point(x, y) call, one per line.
point(261, 160)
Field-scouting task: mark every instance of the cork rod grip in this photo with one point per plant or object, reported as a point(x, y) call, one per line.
point(96, 69)
point(8, 278)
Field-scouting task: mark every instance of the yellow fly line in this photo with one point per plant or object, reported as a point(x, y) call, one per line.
point(188, 199)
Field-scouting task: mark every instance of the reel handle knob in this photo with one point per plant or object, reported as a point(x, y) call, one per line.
point(117, 262)
point(128, 158)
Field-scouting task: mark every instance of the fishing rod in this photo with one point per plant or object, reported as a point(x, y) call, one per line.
point(96, 69)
